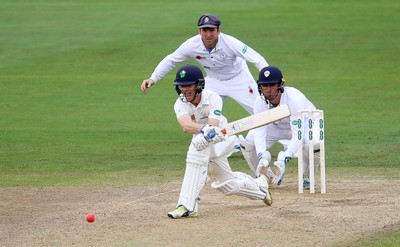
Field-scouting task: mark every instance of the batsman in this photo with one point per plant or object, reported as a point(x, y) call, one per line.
point(198, 112)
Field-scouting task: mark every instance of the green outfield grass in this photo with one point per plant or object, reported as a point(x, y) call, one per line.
point(72, 113)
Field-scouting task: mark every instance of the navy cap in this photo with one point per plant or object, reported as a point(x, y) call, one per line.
point(208, 20)
point(270, 75)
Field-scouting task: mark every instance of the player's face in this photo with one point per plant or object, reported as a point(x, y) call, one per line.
point(209, 36)
point(270, 91)
point(188, 91)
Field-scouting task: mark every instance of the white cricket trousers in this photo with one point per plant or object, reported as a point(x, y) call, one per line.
point(242, 88)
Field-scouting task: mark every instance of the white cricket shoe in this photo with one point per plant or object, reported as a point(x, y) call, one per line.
point(262, 182)
point(181, 212)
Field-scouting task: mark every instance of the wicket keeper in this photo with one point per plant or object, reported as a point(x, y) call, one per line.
point(255, 147)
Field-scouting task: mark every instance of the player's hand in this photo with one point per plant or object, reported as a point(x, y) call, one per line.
point(199, 142)
point(263, 163)
point(281, 165)
point(212, 134)
point(146, 84)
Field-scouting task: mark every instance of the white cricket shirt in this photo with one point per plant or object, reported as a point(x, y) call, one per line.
point(224, 62)
point(210, 106)
point(296, 101)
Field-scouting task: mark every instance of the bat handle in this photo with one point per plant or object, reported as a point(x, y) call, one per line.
point(223, 131)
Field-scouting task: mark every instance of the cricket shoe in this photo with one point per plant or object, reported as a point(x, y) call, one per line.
point(306, 185)
point(265, 188)
point(268, 198)
point(181, 212)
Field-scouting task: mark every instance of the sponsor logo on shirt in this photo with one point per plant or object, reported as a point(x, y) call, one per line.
point(217, 112)
point(203, 114)
point(216, 68)
point(244, 49)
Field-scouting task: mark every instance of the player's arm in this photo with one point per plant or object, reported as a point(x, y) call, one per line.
point(146, 84)
point(300, 102)
point(293, 142)
point(285, 156)
point(248, 54)
point(166, 65)
point(188, 126)
point(204, 133)
point(213, 122)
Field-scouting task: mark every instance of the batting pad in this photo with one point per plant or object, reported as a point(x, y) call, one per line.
point(194, 179)
point(249, 153)
point(242, 185)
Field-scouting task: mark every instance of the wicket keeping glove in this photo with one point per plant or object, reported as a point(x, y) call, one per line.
point(199, 142)
point(280, 171)
point(212, 134)
point(263, 163)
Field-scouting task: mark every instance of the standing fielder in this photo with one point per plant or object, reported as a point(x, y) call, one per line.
point(198, 112)
point(222, 57)
point(255, 147)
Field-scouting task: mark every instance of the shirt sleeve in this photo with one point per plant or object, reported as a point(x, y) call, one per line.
point(296, 102)
point(171, 61)
point(215, 102)
point(181, 108)
point(247, 53)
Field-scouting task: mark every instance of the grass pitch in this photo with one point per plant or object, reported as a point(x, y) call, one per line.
point(70, 72)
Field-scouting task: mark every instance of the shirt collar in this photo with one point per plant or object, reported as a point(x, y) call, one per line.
point(216, 48)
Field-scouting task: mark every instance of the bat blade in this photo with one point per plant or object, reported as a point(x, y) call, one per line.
point(257, 120)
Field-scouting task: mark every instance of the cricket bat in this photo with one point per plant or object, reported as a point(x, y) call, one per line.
point(256, 120)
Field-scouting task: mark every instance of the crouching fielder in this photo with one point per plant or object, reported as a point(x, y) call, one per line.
point(256, 146)
point(198, 112)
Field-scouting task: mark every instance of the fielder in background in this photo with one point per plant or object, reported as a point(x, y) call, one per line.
point(222, 57)
point(198, 112)
point(256, 145)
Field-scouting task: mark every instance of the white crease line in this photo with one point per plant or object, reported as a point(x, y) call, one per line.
point(145, 198)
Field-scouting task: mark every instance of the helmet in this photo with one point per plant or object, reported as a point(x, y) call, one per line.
point(270, 75)
point(188, 75)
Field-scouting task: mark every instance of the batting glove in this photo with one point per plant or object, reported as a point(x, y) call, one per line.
point(199, 142)
point(280, 171)
point(212, 134)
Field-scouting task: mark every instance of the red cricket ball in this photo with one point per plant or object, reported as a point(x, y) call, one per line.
point(90, 218)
